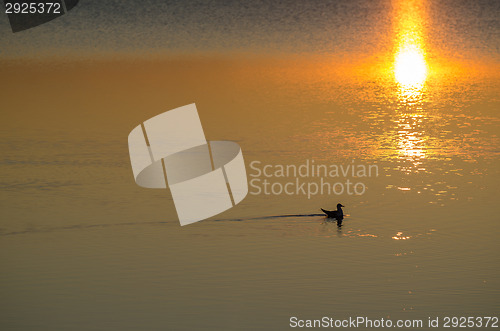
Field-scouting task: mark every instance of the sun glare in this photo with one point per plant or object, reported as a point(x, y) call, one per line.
point(410, 68)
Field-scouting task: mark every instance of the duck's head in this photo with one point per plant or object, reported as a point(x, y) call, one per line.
point(339, 205)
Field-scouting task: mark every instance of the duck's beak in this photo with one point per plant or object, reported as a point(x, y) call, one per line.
point(342, 206)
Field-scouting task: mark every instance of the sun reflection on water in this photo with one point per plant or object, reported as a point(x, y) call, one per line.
point(410, 73)
point(401, 106)
point(411, 141)
point(410, 68)
point(400, 236)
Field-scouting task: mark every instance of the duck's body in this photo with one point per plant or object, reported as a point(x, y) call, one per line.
point(337, 214)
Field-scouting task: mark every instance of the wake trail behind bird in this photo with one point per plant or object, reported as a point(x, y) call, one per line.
point(268, 217)
point(90, 226)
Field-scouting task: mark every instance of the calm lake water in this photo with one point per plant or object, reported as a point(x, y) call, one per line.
point(411, 87)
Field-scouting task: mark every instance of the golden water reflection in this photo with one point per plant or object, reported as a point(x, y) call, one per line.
point(400, 236)
point(401, 106)
point(411, 142)
point(410, 72)
point(410, 66)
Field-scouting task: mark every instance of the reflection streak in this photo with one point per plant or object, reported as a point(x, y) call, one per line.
point(410, 72)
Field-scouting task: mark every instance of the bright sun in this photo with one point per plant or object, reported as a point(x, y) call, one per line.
point(410, 68)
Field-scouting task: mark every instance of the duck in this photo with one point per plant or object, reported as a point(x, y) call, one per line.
point(337, 214)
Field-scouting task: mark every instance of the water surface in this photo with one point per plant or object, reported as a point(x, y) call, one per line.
point(408, 89)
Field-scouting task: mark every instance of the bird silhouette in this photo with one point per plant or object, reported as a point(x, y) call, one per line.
point(337, 214)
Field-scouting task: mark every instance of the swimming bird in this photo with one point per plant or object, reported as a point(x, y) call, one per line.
point(337, 214)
